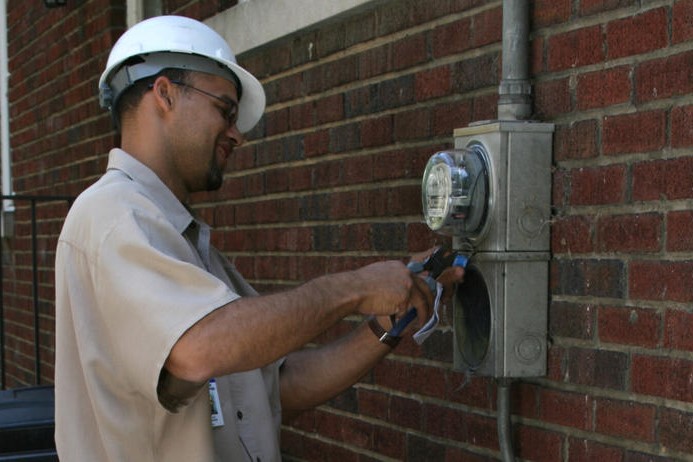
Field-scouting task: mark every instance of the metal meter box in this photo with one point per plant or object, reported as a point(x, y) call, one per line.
point(519, 155)
point(500, 310)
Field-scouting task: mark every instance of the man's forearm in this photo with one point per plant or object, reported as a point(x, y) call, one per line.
point(252, 332)
point(310, 377)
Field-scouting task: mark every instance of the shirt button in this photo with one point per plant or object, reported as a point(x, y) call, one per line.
point(239, 414)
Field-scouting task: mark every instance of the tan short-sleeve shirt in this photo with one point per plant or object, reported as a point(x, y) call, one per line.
point(134, 271)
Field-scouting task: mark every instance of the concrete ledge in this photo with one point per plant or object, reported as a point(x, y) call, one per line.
point(253, 23)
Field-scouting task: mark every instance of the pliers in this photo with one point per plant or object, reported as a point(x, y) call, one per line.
point(435, 264)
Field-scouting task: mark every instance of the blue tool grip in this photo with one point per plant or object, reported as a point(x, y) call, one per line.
point(403, 322)
point(460, 260)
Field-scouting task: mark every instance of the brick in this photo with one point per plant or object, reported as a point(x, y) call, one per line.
point(377, 131)
point(662, 376)
point(682, 127)
point(374, 61)
point(447, 117)
point(547, 12)
point(484, 107)
point(632, 456)
point(475, 73)
point(343, 205)
point(676, 430)
point(388, 236)
point(474, 391)
point(637, 34)
point(538, 444)
point(276, 122)
point(389, 442)
point(451, 38)
point(597, 368)
point(433, 83)
point(316, 143)
point(566, 409)
point(631, 133)
point(626, 419)
point(327, 174)
point(395, 93)
point(578, 140)
point(329, 109)
point(552, 98)
point(560, 188)
point(572, 320)
point(299, 178)
point(576, 48)
point(412, 125)
point(664, 78)
point(682, 21)
point(679, 236)
point(419, 448)
point(357, 170)
point(343, 429)
point(451, 423)
point(629, 326)
point(584, 450)
point(589, 7)
point(673, 281)
point(487, 27)
point(409, 51)
point(604, 88)
point(667, 179)
point(572, 235)
point(406, 412)
point(598, 186)
point(630, 233)
point(678, 326)
point(585, 277)
point(344, 138)
point(537, 64)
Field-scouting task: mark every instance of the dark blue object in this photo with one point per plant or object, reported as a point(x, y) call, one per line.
point(27, 425)
point(435, 265)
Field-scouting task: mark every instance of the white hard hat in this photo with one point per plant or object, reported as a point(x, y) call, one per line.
point(182, 43)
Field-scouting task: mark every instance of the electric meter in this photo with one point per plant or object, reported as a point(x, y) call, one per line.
point(455, 192)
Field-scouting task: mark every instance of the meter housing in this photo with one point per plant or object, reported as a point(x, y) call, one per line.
point(493, 191)
point(455, 192)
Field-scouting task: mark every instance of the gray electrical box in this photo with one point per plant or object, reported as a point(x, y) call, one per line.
point(500, 311)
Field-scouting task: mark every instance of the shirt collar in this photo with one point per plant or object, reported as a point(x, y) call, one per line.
point(179, 215)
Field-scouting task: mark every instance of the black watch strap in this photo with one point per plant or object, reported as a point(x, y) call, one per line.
point(382, 334)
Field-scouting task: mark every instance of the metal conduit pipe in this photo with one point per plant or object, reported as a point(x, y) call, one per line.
point(503, 420)
point(514, 102)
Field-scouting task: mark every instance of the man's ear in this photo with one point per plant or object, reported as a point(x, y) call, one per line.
point(162, 90)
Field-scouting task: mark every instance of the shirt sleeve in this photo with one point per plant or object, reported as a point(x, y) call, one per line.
point(149, 291)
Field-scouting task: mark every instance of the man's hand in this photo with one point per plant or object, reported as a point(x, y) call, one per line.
point(390, 288)
point(448, 278)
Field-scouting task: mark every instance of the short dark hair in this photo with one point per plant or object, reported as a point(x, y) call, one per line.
point(132, 96)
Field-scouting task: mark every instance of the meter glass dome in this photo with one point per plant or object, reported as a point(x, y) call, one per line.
point(455, 192)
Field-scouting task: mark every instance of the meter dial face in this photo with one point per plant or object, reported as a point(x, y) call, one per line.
point(436, 197)
point(455, 192)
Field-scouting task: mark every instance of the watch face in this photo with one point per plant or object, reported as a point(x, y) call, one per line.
point(455, 192)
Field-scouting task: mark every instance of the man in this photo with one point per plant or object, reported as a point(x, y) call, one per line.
point(154, 327)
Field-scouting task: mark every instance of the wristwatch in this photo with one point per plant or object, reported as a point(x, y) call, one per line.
point(383, 335)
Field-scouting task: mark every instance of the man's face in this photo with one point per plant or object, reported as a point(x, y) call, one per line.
point(206, 133)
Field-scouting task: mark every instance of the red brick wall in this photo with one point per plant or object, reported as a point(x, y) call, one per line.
point(59, 139)
point(330, 180)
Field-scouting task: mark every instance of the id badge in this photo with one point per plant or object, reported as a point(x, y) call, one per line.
point(215, 405)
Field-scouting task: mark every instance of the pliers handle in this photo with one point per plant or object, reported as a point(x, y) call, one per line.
point(435, 264)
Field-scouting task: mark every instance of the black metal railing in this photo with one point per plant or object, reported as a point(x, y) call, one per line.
point(33, 201)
